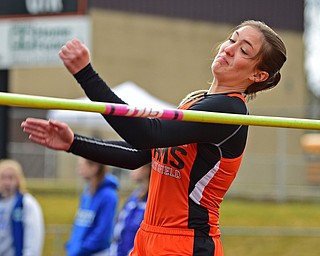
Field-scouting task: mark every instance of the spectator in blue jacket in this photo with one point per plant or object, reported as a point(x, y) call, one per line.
point(131, 214)
point(21, 218)
point(94, 221)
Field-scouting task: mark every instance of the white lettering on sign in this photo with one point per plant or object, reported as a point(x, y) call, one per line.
point(26, 37)
point(44, 6)
point(37, 41)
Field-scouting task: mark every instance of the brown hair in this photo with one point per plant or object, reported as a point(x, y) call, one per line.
point(272, 56)
point(17, 170)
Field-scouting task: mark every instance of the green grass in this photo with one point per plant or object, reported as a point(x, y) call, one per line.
point(270, 246)
point(59, 210)
point(259, 213)
point(291, 215)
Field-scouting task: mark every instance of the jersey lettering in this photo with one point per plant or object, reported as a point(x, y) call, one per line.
point(179, 164)
point(162, 155)
point(166, 170)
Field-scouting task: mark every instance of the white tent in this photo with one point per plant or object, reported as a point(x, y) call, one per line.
point(127, 91)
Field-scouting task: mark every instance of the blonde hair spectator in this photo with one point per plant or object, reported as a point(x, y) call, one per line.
point(18, 172)
point(21, 218)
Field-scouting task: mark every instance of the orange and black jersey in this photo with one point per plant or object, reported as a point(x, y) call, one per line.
point(193, 164)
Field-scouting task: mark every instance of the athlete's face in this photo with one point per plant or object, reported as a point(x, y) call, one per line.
point(235, 63)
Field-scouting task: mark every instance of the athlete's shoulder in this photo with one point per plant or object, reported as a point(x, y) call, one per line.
point(228, 103)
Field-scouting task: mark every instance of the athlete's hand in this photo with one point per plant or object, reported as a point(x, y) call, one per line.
point(52, 134)
point(75, 56)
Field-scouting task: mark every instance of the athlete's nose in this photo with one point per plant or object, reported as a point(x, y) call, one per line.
point(230, 49)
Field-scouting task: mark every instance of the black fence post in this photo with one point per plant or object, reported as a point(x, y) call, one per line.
point(4, 116)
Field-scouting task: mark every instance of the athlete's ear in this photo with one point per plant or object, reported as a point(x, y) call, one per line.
point(259, 76)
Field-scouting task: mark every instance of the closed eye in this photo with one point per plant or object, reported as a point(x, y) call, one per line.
point(244, 51)
point(234, 41)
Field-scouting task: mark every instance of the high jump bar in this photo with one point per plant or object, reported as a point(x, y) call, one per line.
point(32, 101)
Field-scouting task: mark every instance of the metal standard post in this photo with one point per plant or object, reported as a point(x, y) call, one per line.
point(281, 168)
point(4, 117)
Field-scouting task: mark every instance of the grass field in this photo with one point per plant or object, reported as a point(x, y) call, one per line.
point(249, 228)
point(271, 229)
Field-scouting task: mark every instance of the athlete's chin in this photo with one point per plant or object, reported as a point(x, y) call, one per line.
point(218, 66)
point(218, 70)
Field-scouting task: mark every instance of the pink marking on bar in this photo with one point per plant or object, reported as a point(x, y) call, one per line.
point(116, 109)
point(121, 110)
point(135, 112)
point(172, 114)
point(107, 109)
point(125, 110)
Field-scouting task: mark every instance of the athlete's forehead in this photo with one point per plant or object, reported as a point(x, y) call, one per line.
point(250, 36)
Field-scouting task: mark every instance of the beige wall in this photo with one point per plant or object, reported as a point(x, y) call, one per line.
point(161, 55)
point(170, 58)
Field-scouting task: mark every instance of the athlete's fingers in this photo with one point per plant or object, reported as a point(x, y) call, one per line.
point(57, 124)
point(75, 56)
point(34, 132)
point(35, 125)
point(40, 140)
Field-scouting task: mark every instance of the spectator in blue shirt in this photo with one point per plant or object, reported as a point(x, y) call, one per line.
point(94, 221)
point(131, 214)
